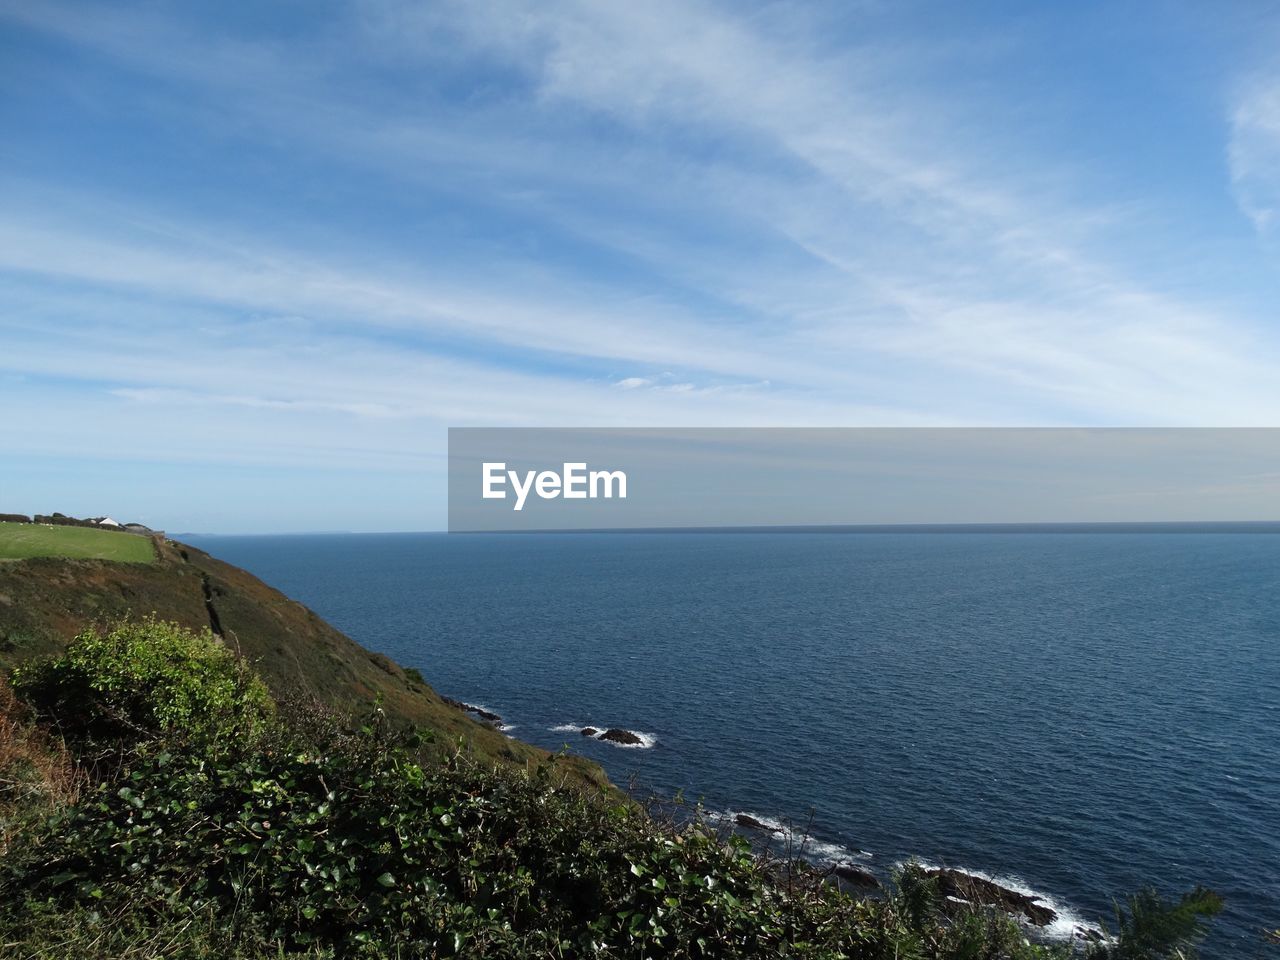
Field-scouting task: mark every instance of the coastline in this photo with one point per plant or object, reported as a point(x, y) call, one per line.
point(1045, 916)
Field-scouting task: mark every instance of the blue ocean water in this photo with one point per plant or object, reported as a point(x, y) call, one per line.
point(1080, 714)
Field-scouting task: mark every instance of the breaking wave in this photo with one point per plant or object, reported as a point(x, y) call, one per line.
point(797, 843)
point(645, 741)
point(1067, 925)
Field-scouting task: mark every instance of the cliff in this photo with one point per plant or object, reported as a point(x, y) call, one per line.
point(45, 601)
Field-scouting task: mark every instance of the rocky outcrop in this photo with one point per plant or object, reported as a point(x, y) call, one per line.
point(751, 823)
point(590, 731)
point(978, 890)
point(614, 735)
point(488, 716)
point(856, 876)
point(482, 713)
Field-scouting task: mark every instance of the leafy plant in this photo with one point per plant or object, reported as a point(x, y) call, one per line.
point(37, 773)
point(353, 846)
point(146, 679)
point(1149, 927)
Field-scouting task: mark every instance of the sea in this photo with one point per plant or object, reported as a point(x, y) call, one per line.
point(1074, 714)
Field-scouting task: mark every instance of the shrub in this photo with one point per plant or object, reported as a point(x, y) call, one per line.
point(1149, 927)
point(127, 934)
point(37, 774)
point(358, 849)
point(143, 680)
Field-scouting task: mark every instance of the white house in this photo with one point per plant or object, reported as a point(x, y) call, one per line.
point(107, 522)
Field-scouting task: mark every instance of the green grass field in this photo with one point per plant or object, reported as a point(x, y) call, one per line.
point(18, 541)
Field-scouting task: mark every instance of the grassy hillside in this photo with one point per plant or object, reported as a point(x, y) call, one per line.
point(19, 541)
point(45, 601)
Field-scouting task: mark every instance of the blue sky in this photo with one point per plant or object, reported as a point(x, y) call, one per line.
point(256, 258)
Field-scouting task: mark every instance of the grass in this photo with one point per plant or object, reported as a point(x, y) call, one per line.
point(37, 773)
point(20, 541)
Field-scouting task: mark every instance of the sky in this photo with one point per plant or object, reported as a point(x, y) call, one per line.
point(255, 259)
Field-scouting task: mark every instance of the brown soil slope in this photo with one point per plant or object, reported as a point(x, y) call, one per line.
point(45, 601)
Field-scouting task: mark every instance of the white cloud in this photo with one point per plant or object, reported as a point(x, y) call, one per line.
point(1254, 152)
point(807, 239)
point(928, 247)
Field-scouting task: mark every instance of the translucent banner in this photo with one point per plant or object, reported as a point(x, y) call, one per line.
point(862, 479)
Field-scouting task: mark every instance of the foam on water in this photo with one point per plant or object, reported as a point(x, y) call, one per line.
point(647, 740)
point(1067, 924)
point(478, 709)
point(799, 843)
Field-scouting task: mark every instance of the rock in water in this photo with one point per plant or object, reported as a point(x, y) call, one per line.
point(482, 713)
point(751, 823)
point(855, 875)
point(614, 735)
point(967, 887)
point(589, 731)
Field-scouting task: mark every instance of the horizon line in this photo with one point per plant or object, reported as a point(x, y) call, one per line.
point(1010, 527)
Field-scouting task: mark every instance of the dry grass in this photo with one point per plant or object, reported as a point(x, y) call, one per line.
point(37, 774)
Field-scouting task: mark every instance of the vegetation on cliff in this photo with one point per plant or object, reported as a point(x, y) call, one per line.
point(45, 601)
point(146, 680)
point(238, 825)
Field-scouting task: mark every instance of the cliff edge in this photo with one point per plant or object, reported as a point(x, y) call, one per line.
point(45, 601)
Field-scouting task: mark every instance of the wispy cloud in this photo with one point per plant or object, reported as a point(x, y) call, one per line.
point(399, 216)
point(1254, 152)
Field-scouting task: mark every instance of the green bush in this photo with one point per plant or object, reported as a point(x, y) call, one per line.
point(357, 849)
point(143, 680)
point(37, 773)
point(1148, 927)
